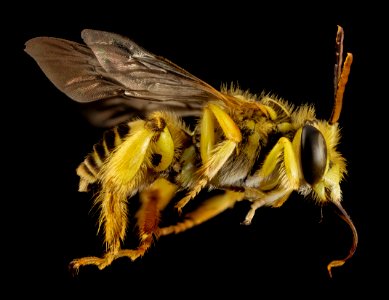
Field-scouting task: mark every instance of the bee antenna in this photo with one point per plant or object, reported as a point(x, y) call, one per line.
point(341, 73)
point(343, 214)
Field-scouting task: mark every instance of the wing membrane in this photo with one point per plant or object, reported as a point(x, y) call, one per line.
point(110, 65)
point(142, 73)
point(73, 69)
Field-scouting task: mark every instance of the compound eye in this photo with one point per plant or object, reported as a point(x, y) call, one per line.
point(313, 154)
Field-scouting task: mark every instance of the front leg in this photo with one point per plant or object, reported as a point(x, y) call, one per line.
point(278, 177)
point(275, 199)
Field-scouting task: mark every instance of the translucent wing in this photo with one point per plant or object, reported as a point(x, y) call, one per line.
point(115, 68)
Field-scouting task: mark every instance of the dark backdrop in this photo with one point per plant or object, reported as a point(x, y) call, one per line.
point(285, 50)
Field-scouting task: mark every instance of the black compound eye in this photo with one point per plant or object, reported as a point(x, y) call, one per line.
point(313, 154)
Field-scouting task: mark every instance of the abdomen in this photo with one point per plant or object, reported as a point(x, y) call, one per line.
point(89, 169)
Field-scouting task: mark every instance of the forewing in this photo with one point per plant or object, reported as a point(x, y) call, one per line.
point(73, 69)
point(143, 74)
point(114, 68)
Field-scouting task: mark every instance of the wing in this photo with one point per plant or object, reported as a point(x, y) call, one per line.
point(112, 67)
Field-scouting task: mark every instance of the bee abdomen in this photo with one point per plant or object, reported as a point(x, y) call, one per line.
point(89, 169)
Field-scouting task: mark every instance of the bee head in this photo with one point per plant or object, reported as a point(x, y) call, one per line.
point(322, 165)
point(323, 168)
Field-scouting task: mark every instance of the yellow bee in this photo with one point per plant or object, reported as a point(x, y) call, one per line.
point(258, 148)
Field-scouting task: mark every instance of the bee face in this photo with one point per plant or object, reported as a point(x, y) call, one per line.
point(322, 166)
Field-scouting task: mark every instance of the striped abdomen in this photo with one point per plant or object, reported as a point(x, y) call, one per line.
point(89, 169)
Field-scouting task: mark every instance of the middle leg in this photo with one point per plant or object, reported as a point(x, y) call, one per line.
point(213, 156)
point(206, 211)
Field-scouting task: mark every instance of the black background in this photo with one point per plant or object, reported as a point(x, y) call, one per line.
point(285, 50)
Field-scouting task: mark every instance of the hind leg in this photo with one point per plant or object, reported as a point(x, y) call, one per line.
point(153, 200)
point(148, 146)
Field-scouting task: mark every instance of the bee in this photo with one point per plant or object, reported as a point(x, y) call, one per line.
point(256, 148)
